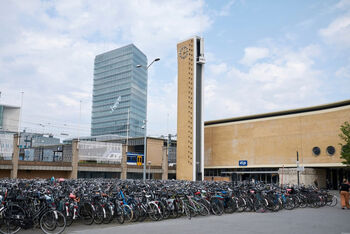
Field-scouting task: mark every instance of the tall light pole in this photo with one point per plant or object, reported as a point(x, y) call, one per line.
point(145, 124)
point(20, 120)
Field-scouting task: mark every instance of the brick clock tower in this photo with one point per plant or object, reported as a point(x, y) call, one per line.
point(190, 123)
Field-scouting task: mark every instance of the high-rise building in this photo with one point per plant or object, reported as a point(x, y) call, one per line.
point(190, 125)
point(119, 92)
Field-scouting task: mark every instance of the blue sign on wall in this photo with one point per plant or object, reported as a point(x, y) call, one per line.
point(243, 162)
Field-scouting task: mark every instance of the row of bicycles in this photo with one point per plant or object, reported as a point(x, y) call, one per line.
point(52, 205)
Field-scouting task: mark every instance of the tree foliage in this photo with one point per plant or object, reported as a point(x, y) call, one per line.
point(345, 147)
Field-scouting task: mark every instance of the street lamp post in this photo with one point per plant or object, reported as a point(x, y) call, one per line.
point(145, 123)
point(149, 170)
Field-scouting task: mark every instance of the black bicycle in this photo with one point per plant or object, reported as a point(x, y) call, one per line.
point(24, 214)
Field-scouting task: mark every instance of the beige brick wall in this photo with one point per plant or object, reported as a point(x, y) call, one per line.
point(155, 151)
point(184, 158)
point(274, 141)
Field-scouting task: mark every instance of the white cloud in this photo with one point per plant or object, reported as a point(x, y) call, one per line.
point(162, 108)
point(343, 5)
point(343, 72)
point(253, 54)
point(47, 49)
point(218, 69)
point(286, 79)
point(69, 102)
point(338, 31)
point(225, 10)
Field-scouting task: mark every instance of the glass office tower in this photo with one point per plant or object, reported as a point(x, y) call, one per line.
point(119, 92)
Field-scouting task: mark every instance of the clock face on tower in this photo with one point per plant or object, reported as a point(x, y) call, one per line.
point(183, 52)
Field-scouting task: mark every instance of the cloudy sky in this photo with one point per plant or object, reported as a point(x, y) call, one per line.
point(261, 56)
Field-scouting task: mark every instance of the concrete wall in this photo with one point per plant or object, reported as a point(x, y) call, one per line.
point(5, 173)
point(217, 178)
point(273, 142)
point(10, 120)
point(155, 151)
point(306, 177)
point(31, 174)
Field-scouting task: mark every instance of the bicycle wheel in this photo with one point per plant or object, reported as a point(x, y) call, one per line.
point(187, 211)
point(99, 214)
point(135, 213)
point(143, 213)
point(203, 210)
point(231, 206)
point(288, 204)
point(52, 222)
point(87, 214)
point(164, 209)
point(154, 213)
point(128, 213)
point(69, 217)
point(120, 215)
point(175, 210)
point(217, 207)
point(9, 219)
point(332, 200)
point(108, 215)
point(241, 204)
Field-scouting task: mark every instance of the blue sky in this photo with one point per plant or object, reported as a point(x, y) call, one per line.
point(262, 56)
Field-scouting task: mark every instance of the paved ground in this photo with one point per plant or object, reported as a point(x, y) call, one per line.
point(323, 220)
point(326, 220)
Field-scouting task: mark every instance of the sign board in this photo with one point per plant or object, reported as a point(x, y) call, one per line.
point(243, 163)
point(139, 160)
point(100, 151)
point(300, 168)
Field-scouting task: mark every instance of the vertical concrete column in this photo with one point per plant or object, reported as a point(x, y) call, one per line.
point(124, 165)
point(75, 160)
point(165, 163)
point(15, 157)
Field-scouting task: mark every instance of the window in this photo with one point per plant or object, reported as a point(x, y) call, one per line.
point(330, 150)
point(316, 150)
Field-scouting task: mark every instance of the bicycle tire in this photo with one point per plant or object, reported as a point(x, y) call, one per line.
point(99, 214)
point(109, 216)
point(128, 213)
point(333, 201)
point(51, 220)
point(87, 214)
point(154, 213)
point(6, 219)
point(203, 210)
point(120, 215)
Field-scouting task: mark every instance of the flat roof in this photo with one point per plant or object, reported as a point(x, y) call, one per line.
point(280, 113)
point(10, 106)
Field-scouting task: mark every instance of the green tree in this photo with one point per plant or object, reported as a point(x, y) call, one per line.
point(345, 148)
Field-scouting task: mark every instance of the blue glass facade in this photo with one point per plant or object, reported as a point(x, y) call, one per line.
point(119, 86)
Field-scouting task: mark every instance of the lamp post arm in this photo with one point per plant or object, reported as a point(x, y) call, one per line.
point(150, 64)
point(154, 60)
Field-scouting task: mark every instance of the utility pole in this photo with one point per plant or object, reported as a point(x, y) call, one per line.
point(168, 146)
point(145, 123)
point(298, 167)
point(127, 132)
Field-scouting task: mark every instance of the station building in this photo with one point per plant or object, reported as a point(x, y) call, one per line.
point(266, 146)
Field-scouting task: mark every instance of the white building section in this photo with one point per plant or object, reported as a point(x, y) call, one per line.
point(6, 146)
point(100, 152)
point(9, 118)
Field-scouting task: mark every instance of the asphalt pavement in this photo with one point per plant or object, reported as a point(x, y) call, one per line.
point(325, 220)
